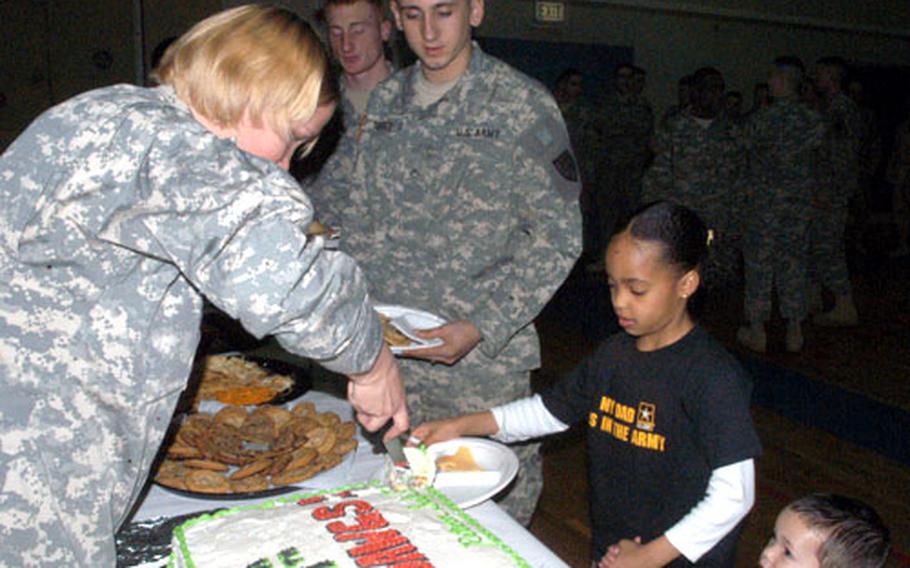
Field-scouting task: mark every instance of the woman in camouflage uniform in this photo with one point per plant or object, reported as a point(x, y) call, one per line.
point(123, 207)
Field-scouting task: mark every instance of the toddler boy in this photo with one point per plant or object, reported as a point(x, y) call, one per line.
point(827, 531)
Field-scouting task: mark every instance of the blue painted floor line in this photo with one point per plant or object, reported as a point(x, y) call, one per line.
point(848, 415)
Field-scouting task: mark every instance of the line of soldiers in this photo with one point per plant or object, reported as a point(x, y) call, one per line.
point(773, 184)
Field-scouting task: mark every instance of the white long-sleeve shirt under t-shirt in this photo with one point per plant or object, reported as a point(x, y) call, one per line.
point(728, 498)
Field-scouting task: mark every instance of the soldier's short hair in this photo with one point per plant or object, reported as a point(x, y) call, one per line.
point(628, 67)
point(838, 64)
point(791, 69)
point(320, 13)
point(567, 74)
point(700, 75)
point(855, 536)
point(263, 60)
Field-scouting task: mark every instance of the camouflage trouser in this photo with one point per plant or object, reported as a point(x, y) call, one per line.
point(617, 195)
point(55, 491)
point(440, 391)
point(721, 268)
point(775, 253)
point(828, 261)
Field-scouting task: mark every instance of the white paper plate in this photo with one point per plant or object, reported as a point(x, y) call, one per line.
point(407, 320)
point(499, 462)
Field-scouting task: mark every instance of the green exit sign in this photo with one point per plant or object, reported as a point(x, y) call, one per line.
point(550, 12)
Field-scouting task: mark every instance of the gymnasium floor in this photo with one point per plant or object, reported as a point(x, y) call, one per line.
point(835, 417)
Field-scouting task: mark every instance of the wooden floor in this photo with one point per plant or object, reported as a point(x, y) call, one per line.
point(872, 359)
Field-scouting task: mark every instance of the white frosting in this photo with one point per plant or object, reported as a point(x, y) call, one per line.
point(342, 528)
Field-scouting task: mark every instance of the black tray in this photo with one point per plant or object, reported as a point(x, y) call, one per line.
point(270, 492)
point(148, 541)
point(302, 379)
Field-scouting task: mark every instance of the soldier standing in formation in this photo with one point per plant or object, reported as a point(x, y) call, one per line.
point(579, 119)
point(783, 139)
point(358, 31)
point(683, 99)
point(463, 201)
point(624, 126)
point(838, 174)
point(699, 163)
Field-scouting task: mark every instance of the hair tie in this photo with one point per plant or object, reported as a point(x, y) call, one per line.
point(710, 238)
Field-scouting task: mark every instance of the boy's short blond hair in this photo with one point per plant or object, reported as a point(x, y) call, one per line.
point(261, 59)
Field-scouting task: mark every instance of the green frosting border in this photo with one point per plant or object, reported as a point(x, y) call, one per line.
point(449, 505)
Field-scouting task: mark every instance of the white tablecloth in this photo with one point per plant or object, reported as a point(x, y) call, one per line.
point(361, 465)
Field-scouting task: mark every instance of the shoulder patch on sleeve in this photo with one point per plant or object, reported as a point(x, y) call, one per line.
point(565, 165)
point(548, 142)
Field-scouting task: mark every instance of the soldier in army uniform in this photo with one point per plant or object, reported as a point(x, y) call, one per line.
point(699, 163)
point(782, 139)
point(357, 33)
point(838, 177)
point(578, 116)
point(625, 126)
point(683, 99)
point(123, 207)
point(463, 202)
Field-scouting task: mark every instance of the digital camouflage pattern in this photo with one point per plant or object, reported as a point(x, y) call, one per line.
point(783, 140)
point(586, 142)
point(838, 174)
point(579, 119)
point(467, 208)
point(121, 212)
point(703, 168)
point(340, 165)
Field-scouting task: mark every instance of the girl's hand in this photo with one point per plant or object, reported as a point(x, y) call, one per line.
point(458, 339)
point(627, 554)
point(435, 431)
point(633, 554)
point(609, 558)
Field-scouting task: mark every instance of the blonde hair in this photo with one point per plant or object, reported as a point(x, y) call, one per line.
point(263, 60)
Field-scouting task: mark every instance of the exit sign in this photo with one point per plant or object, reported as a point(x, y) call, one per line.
point(550, 12)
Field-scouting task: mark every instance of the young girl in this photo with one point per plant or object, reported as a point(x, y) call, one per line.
point(670, 438)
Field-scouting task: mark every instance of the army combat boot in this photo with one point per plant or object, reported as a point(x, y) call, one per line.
point(793, 341)
point(843, 314)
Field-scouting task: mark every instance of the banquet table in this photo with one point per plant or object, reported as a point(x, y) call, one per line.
point(160, 505)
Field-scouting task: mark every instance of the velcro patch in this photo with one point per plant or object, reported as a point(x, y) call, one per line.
point(565, 165)
point(547, 141)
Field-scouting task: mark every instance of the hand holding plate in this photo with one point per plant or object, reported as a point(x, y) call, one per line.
point(458, 337)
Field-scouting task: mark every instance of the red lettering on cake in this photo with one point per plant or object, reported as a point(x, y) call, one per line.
point(336, 511)
point(374, 547)
point(372, 541)
point(369, 521)
point(404, 555)
point(311, 500)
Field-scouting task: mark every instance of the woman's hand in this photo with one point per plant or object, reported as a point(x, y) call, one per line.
point(458, 337)
point(378, 395)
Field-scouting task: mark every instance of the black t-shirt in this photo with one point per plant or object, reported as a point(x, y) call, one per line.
point(658, 423)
